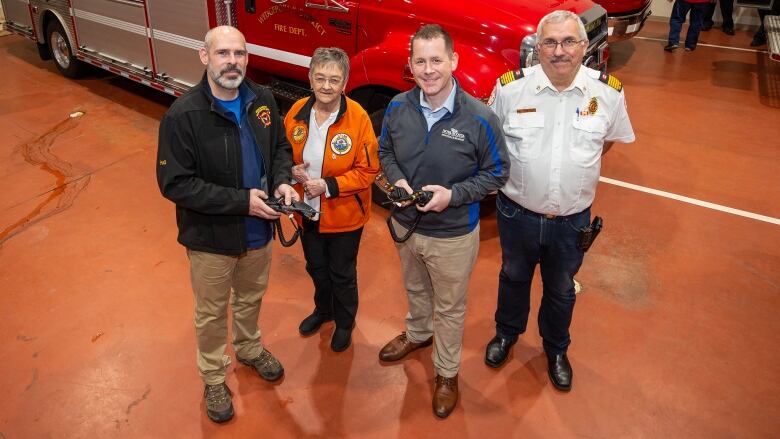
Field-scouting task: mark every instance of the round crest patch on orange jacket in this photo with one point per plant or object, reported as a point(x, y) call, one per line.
point(299, 134)
point(341, 144)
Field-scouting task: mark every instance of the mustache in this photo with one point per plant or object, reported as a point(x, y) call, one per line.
point(560, 58)
point(231, 68)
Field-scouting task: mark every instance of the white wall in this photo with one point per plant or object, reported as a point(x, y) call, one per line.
point(742, 16)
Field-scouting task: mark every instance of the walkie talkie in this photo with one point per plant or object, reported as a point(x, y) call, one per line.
point(589, 234)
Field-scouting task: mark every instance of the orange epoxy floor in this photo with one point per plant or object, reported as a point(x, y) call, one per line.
point(674, 335)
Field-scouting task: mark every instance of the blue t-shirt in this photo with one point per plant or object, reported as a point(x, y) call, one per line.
point(233, 107)
point(258, 230)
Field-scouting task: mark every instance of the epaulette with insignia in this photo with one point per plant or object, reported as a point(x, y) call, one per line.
point(611, 81)
point(510, 76)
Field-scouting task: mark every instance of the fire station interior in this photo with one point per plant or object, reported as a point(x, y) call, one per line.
point(674, 331)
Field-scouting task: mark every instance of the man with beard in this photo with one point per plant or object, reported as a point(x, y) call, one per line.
point(559, 118)
point(222, 150)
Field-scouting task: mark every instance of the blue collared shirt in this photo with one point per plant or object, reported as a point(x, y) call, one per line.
point(431, 116)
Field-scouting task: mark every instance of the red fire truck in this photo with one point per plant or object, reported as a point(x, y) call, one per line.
point(625, 17)
point(154, 41)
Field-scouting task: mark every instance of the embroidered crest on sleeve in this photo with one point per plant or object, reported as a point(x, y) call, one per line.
point(264, 115)
point(611, 81)
point(299, 134)
point(510, 76)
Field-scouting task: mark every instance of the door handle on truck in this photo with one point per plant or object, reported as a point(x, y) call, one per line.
point(249, 6)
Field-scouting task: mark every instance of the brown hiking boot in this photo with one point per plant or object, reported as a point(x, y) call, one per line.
point(219, 402)
point(269, 368)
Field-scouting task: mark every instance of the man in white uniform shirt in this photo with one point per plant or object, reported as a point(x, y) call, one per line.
point(559, 118)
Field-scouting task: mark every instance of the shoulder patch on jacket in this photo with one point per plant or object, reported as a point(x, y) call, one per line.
point(611, 81)
point(510, 76)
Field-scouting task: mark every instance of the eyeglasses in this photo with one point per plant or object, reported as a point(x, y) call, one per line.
point(321, 81)
point(567, 44)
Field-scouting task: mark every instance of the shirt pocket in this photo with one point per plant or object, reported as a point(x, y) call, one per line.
point(588, 140)
point(525, 132)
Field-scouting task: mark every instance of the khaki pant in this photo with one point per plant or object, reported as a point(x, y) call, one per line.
point(436, 276)
point(212, 277)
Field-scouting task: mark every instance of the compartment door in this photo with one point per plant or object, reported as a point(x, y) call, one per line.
point(177, 29)
point(115, 29)
point(17, 12)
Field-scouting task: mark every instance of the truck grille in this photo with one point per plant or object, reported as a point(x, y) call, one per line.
point(226, 12)
point(596, 26)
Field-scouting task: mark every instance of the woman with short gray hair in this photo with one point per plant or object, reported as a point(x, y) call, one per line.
point(335, 163)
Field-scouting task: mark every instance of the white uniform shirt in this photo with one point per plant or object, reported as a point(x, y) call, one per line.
point(555, 139)
point(314, 152)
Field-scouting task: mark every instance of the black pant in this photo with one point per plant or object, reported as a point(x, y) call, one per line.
point(761, 32)
point(726, 10)
point(528, 239)
point(331, 260)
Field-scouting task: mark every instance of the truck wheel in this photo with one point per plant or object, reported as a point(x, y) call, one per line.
point(43, 51)
point(62, 52)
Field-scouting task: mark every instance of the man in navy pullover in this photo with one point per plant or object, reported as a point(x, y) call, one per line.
point(438, 138)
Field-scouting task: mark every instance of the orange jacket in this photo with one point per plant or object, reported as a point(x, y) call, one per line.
point(349, 165)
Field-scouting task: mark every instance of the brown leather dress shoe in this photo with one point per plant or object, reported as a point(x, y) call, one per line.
point(398, 347)
point(445, 395)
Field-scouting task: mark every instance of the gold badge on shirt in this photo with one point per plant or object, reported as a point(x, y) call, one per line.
point(341, 144)
point(593, 106)
point(299, 134)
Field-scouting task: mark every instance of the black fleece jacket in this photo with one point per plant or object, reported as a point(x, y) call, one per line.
point(200, 168)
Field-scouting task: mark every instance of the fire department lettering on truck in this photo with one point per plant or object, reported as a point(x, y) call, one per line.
point(154, 42)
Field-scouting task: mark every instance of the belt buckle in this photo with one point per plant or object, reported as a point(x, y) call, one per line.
point(550, 216)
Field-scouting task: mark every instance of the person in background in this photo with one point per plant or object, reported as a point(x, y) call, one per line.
point(726, 10)
point(680, 10)
point(759, 38)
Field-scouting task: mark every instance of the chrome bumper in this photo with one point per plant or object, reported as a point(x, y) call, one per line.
point(623, 27)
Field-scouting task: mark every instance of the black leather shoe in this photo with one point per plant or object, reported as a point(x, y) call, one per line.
point(707, 25)
point(559, 369)
point(758, 40)
point(728, 30)
point(341, 340)
point(497, 350)
point(312, 324)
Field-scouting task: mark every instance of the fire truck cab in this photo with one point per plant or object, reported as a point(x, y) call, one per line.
point(154, 41)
